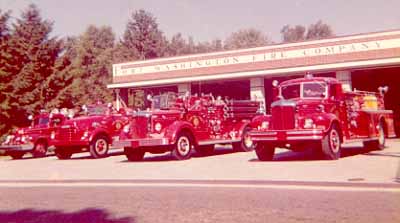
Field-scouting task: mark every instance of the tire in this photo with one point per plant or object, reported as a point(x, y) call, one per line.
point(99, 146)
point(265, 151)
point(182, 149)
point(246, 144)
point(40, 150)
point(134, 154)
point(16, 155)
point(377, 144)
point(205, 150)
point(330, 144)
point(63, 153)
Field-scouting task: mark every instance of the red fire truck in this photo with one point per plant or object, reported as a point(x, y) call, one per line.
point(94, 131)
point(34, 139)
point(181, 124)
point(316, 112)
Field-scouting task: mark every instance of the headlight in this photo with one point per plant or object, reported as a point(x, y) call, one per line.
point(158, 126)
point(308, 123)
point(126, 129)
point(21, 132)
point(23, 139)
point(95, 124)
point(265, 125)
point(52, 135)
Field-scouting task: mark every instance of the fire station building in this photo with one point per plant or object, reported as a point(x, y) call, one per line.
point(363, 62)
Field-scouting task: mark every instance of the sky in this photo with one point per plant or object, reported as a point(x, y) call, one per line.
point(206, 20)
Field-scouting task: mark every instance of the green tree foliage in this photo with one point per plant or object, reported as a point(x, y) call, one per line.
point(319, 30)
point(246, 38)
point(142, 38)
point(29, 61)
point(293, 34)
point(5, 75)
point(85, 69)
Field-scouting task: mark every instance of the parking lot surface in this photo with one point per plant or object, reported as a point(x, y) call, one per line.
point(356, 165)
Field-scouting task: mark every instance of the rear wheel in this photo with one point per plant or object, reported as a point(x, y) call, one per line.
point(40, 150)
point(183, 147)
point(330, 144)
point(63, 153)
point(265, 151)
point(134, 154)
point(205, 150)
point(246, 144)
point(99, 147)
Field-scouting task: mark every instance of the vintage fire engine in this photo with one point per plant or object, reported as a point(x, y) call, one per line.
point(318, 113)
point(181, 124)
point(34, 139)
point(94, 131)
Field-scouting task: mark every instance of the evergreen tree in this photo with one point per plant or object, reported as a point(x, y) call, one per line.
point(142, 38)
point(33, 55)
point(86, 68)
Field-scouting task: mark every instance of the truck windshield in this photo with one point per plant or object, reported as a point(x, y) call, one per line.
point(290, 91)
point(164, 101)
point(41, 121)
point(307, 90)
point(314, 90)
point(97, 110)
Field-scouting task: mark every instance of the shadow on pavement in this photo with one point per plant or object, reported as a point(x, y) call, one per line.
point(89, 157)
point(55, 216)
point(168, 157)
point(312, 155)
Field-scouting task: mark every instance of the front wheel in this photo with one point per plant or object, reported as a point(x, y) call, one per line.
point(99, 147)
point(246, 144)
point(40, 150)
point(134, 154)
point(182, 149)
point(265, 151)
point(331, 144)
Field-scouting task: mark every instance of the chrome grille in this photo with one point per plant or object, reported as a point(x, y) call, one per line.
point(283, 116)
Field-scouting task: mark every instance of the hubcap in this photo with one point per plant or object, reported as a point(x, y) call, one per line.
point(334, 140)
point(183, 145)
point(101, 146)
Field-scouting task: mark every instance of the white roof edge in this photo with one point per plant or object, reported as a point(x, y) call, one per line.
point(350, 65)
point(305, 43)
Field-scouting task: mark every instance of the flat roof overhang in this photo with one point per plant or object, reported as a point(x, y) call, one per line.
point(353, 52)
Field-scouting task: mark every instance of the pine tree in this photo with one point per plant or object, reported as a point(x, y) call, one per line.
point(88, 61)
point(33, 55)
point(142, 38)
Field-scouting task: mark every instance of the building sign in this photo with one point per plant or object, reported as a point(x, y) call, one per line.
point(266, 55)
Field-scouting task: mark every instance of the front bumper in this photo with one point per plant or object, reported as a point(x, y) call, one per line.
point(287, 135)
point(145, 142)
point(21, 147)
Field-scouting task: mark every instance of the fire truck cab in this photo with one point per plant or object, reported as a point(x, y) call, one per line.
point(181, 124)
point(36, 138)
point(316, 112)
